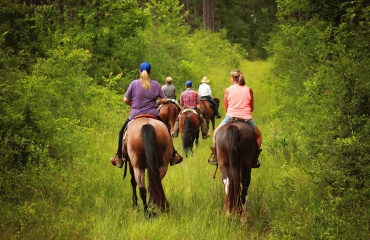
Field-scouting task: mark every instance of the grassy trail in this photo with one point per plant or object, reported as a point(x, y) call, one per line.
point(196, 198)
point(88, 199)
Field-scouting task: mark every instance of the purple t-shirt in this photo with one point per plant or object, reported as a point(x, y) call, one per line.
point(144, 101)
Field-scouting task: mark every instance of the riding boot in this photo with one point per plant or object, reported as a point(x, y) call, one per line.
point(203, 127)
point(117, 161)
point(176, 157)
point(256, 163)
point(217, 114)
point(213, 158)
point(175, 132)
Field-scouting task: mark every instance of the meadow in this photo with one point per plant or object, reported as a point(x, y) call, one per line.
point(89, 199)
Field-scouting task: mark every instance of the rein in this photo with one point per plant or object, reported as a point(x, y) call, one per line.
point(125, 169)
point(214, 174)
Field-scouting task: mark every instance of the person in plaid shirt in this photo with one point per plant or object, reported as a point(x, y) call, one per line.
point(190, 99)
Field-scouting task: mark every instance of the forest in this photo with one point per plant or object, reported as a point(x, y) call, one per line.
point(65, 66)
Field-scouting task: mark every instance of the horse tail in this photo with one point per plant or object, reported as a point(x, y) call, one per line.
point(155, 188)
point(172, 114)
point(188, 138)
point(235, 163)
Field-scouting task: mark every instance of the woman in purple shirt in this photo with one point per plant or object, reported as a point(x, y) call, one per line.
point(142, 95)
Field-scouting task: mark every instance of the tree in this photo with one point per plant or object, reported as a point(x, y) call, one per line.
point(208, 18)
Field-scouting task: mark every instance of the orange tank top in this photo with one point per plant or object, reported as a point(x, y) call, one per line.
point(239, 102)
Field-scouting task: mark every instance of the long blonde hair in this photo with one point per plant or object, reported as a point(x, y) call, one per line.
point(145, 80)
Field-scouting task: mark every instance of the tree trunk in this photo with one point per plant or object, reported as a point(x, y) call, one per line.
point(208, 18)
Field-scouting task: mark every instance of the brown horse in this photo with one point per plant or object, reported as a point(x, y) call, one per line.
point(168, 113)
point(189, 125)
point(236, 149)
point(148, 145)
point(206, 109)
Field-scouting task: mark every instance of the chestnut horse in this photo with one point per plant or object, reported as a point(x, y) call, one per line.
point(206, 109)
point(148, 145)
point(168, 113)
point(189, 125)
point(236, 149)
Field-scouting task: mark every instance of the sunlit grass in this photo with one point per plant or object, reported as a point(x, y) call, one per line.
point(89, 199)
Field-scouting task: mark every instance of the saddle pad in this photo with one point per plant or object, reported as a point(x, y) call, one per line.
point(190, 110)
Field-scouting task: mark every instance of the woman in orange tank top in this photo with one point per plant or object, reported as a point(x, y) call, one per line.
point(238, 101)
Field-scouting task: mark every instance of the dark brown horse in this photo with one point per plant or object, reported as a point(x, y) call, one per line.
point(148, 145)
point(206, 109)
point(189, 126)
point(168, 113)
point(236, 149)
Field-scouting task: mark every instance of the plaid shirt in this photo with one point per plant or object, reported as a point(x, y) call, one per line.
point(189, 98)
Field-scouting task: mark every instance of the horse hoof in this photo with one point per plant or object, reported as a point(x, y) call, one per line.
point(150, 214)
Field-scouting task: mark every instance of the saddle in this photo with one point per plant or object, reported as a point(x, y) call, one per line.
point(138, 116)
point(190, 110)
point(144, 116)
point(169, 101)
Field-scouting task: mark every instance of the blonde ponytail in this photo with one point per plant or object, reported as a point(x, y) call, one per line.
point(145, 80)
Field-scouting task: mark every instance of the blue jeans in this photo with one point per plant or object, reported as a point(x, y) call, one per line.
point(228, 118)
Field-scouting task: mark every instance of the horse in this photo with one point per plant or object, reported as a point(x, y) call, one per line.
point(236, 149)
point(206, 109)
point(168, 113)
point(189, 125)
point(148, 145)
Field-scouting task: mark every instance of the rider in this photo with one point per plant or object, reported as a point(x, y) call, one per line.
point(189, 99)
point(238, 100)
point(142, 95)
point(205, 93)
point(170, 91)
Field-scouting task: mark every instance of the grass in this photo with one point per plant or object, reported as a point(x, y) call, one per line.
point(90, 200)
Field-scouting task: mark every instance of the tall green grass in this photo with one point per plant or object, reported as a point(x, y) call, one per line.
point(89, 199)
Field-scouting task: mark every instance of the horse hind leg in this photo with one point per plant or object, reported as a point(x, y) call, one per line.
point(244, 192)
point(148, 213)
point(133, 185)
point(143, 194)
point(134, 196)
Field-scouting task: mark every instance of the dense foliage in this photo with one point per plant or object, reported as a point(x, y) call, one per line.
point(64, 66)
point(322, 57)
point(248, 23)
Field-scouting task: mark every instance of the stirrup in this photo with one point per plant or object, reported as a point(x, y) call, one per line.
point(212, 159)
point(257, 164)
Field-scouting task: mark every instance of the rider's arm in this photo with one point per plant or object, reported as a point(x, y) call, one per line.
point(182, 100)
point(252, 101)
point(226, 104)
point(161, 101)
point(127, 101)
